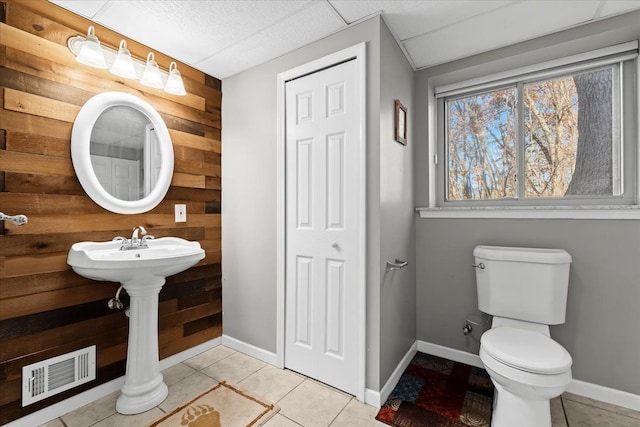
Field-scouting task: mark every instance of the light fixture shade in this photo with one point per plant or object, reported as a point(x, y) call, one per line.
point(151, 76)
point(175, 85)
point(123, 64)
point(91, 53)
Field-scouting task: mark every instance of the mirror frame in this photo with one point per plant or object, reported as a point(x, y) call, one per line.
point(81, 155)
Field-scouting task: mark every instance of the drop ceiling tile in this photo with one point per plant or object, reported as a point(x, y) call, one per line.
point(353, 11)
point(192, 30)
point(619, 6)
point(434, 15)
point(86, 8)
point(224, 37)
point(306, 26)
point(408, 19)
point(501, 27)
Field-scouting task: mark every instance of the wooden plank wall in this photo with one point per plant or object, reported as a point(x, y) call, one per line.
point(45, 308)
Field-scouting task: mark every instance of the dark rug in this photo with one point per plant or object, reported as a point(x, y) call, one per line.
point(436, 392)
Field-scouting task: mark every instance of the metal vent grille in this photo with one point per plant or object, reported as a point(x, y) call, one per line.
point(52, 376)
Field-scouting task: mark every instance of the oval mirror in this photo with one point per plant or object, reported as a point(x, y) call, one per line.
point(122, 153)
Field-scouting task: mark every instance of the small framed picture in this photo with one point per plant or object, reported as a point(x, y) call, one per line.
point(401, 123)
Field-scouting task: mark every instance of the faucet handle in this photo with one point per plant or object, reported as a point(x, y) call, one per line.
point(123, 240)
point(147, 237)
point(142, 230)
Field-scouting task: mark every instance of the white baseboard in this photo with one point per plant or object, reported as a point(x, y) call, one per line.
point(189, 353)
point(71, 404)
point(250, 350)
point(605, 394)
point(450, 353)
point(592, 391)
point(375, 398)
point(372, 397)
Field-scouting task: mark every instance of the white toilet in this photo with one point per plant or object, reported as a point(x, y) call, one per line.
point(525, 290)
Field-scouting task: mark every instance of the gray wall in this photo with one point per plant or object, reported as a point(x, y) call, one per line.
point(397, 217)
point(249, 176)
point(601, 330)
point(249, 202)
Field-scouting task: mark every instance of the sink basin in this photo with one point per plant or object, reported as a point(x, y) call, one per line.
point(142, 274)
point(105, 261)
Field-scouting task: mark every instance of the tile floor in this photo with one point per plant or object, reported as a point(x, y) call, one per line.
point(302, 401)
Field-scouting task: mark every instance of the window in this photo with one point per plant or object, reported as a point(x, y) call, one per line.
point(481, 145)
point(555, 136)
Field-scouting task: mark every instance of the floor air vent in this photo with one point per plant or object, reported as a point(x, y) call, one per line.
point(52, 376)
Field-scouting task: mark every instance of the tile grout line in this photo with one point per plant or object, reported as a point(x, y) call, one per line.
point(291, 391)
point(609, 410)
point(564, 412)
point(284, 416)
point(340, 412)
point(213, 363)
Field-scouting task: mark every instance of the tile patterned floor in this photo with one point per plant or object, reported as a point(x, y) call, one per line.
point(302, 401)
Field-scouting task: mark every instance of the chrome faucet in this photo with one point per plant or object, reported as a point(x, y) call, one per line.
point(135, 241)
point(138, 239)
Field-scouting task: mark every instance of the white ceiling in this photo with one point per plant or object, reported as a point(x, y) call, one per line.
point(225, 37)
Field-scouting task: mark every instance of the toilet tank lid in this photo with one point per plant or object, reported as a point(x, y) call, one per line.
point(539, 255)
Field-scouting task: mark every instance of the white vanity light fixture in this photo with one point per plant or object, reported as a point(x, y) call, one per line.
point(123, 63)
point(174, 86)
point(151, 76)
point(89, 51)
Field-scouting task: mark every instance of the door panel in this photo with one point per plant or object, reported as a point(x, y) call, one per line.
point(335, 308)
point(304, 301)
point(323, 259)
point(335, 181)
point(304, 181)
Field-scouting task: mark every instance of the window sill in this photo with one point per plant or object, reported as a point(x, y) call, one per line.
point(535, 212)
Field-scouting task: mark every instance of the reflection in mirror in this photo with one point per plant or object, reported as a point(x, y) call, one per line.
point(124, 153)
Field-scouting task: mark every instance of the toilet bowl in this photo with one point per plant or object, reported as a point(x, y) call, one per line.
point(527, 369)
point(525, 290)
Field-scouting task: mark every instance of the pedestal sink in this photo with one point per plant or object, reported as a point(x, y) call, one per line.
point(142, 273)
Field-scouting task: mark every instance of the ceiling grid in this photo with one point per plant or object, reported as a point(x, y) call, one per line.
point(222, 38)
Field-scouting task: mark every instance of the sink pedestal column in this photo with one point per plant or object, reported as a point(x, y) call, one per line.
point(143, 387)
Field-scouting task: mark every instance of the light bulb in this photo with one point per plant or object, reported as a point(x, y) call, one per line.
point(123, 64)
point(175, 85)
point(91, 53)
point(151, 76)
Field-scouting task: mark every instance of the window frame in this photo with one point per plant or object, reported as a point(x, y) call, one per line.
point(628, 76)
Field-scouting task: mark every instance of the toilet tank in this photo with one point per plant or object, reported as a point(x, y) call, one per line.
point(523, 283)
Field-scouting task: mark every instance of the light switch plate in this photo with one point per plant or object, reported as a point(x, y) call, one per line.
point(181, 213)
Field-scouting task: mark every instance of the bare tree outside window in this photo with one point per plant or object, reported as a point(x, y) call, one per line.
point(482, 146)
point(593, 173)
point(568, 140)
point(550, 136)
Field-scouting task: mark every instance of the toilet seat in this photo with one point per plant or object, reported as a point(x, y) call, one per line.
point(526, 350)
